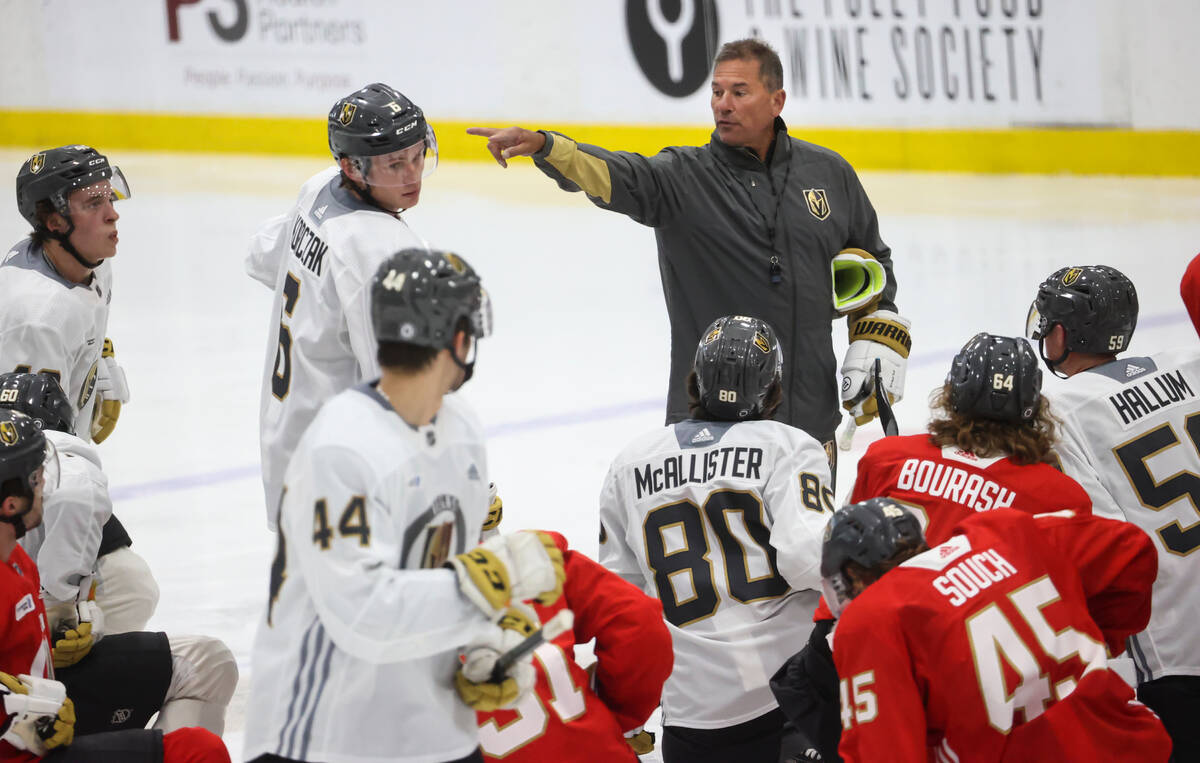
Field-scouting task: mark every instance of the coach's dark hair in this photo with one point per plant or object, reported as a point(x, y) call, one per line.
point(770, 70)
point(1025, 443)
point(697, 410)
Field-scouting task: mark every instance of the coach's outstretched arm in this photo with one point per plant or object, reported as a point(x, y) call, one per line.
point(644, 188)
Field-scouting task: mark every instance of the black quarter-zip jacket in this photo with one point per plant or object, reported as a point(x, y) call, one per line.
point(740, 236)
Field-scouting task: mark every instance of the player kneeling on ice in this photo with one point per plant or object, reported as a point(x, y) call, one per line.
point(112, 686)
point(596, 714)
point(720, 516)
point(69, 545)
point(992, 645)
point(377, 585)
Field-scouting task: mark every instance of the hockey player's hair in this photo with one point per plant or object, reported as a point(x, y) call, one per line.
point(1025, 443)
point(770, 69)
point(697, 410)
point(411, 358)
point(41, 233)
point(15, 487)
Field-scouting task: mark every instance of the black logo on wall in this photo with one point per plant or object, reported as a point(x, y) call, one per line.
point(673, 41)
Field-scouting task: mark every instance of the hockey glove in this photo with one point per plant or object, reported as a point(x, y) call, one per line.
point(76, 627)
point(38, 715)
point(858, 281)
point(881, 335)
point(495, 509)
point(507, 568)
point(474, 680)
point(641, 741)
point(111, 391)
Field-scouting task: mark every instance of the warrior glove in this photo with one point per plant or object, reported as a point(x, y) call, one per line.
point(881, 335)
point(506, 568)
point(111, 391)
point(38, 715)
point(475, 682)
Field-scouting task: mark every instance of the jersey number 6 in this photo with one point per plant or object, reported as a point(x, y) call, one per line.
point(281, 382)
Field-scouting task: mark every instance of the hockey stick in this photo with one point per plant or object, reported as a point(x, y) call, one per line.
point(550, 630)
point(886, 417)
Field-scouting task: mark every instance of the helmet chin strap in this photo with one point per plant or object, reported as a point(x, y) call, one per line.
point(468, 369)
point(1053, 364)
point(64, 240)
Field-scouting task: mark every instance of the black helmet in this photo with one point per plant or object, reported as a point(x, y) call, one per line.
point(995, 377)
point(53, 174)
point(376, 120)
point(420, 295)
point(736, 363)
point(1096, 304)
point(40, 397)
point(22, 451)
point(869, 533)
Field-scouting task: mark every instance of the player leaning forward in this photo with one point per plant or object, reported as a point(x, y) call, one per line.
point(358, 655)
point(720, 516)
point(319, 259)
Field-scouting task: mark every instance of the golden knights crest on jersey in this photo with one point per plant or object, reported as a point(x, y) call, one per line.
point(435, 535)
point(818, 202)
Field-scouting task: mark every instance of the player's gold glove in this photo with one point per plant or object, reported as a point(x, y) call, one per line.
point(495, 509)
point(474, 680)
point(111, 391)
point(37, 714)
point(514, 567)
point(882, 335)
point(72, 645)
point(641, 741)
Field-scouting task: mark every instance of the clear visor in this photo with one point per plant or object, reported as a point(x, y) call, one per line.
point(400, 168)
point(836, 596)
point(482, 319)
point(47, 475)
point(1034, 323)
point(97, 194)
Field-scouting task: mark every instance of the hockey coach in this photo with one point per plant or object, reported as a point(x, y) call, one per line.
point(751, 224)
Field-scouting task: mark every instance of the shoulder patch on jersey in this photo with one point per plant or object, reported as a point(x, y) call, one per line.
point(693, 433)
point(939, 557)
point(25, 606)
point(967, 457)
point(1125, 369)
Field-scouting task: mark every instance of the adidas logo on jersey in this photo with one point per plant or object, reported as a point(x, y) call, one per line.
point(472, 473)
point(703, 436)
point(320, 211)
point(1131, 370)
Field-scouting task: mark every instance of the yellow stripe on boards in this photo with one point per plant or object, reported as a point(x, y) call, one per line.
point(1025, 150)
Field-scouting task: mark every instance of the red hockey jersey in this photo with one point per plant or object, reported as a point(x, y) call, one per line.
point(24, 647)
point(944, 486)
point(569, 715)
point(991, 646)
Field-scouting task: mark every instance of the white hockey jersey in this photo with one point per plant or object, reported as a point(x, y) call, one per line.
point(355, 657)
point(50, 325)
point(1131, 438)
point(723, 522)
point(319, 259)
point(66, 543)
